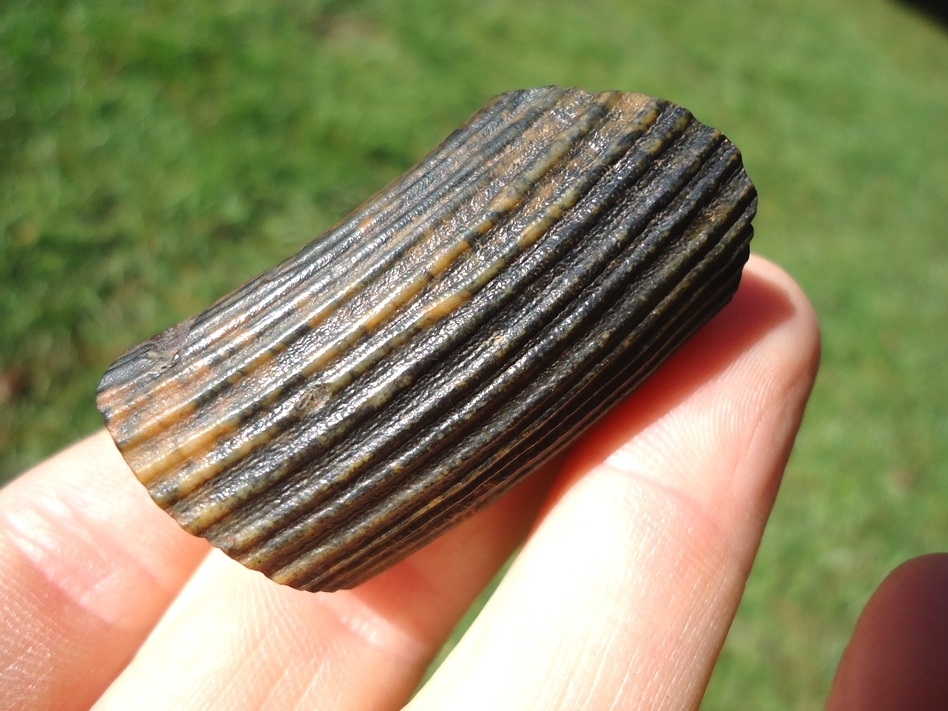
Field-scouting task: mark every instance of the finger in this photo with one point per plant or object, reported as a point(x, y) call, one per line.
point(623, 594)
point(899, 650)
point(236, 640)
point(89, 565)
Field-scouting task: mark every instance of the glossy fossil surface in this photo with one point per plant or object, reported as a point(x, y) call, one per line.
point(418, 359)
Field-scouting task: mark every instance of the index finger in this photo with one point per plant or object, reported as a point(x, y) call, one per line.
point(89, 566)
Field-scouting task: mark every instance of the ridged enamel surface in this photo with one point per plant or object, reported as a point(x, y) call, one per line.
point(417, 360)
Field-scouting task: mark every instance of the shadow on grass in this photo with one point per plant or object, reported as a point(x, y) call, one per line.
point(936, 10)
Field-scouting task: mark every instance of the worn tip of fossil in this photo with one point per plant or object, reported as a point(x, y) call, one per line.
point(420, 358)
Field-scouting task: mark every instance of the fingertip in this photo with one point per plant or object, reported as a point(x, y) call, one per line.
point(80, 521)
point(90, 564)
point(762, 275)
point(898, 653)
point(748, 371)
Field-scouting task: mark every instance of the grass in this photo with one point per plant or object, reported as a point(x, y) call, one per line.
point(155, 155)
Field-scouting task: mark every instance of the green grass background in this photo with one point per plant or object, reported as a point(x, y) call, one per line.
point(154, 155)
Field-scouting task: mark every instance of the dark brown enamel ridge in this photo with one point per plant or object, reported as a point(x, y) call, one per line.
point(420, 358)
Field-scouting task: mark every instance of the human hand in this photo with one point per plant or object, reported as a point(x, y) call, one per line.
point(636, 548)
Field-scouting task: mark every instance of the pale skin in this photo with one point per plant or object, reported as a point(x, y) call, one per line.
point(636, 547)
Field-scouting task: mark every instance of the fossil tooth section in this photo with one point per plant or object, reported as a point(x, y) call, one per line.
point(420, 358)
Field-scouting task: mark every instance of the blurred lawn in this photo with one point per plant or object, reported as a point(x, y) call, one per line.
point(155, 155)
